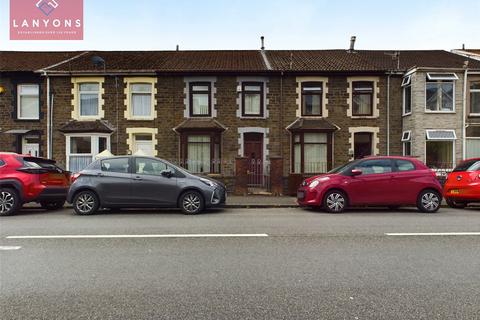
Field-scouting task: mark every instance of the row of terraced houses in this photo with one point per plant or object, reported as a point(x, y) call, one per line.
point(308, 110)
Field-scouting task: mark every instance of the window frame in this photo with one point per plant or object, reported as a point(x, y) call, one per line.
point(152, 97)
point(469, 97)
point(99, 94)
point(302, 150)
point(439, 76)
point(406, 140)
point(191, 92)
point(406, 85)
point(453, 96)
point(19, 101)
point(371, 94)
point(94, 145)
point(215, 138)
point(303, 94)
point(261, 93)
point(453, 151)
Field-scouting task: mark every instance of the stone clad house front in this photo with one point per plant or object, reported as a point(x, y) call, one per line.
point(204, 110)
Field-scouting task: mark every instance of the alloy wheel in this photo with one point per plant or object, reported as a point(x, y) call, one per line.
point(191, 202)
point(430, 201)
point(7, 202)
point(85, 203)
point(335, 202)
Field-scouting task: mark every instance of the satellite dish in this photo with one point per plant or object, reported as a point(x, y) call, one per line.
point(98, 61)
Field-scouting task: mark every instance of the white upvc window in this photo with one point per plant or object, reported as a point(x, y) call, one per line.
point(440, 92)
point(407, 95)
point(407, 143)
point(28, 102)
point(89, 97)
point(141, 100)
point(81, 149)
point(440, 149)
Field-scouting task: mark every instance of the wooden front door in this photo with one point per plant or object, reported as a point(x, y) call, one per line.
point(253, 151)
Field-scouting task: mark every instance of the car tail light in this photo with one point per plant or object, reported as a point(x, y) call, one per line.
point(74, 177)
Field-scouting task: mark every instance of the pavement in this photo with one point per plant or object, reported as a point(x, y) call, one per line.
point(267, 263)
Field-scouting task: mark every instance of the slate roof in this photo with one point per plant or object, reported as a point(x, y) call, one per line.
point(312, 124)
point(97, 126)
point(196, 124)
point(225, 61)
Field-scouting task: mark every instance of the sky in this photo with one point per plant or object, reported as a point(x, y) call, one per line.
point(286, 24)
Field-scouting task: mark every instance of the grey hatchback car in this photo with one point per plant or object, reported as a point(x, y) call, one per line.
point(142, 182)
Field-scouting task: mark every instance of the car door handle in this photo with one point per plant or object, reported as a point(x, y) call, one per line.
point(100, 175)
point(137, 178)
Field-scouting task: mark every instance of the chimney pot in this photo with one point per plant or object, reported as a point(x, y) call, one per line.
point(262, 38)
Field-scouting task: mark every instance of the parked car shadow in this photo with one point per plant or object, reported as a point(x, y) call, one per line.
point(370, 210)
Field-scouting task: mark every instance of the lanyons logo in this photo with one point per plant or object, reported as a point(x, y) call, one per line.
point(47, 6)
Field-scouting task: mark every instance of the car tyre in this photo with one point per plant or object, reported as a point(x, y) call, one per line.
point(429, 201)
point(454, 204)
point(335, 202)
point(86, 203)
point(9, 201)
point(192, 202)
point(52, 205)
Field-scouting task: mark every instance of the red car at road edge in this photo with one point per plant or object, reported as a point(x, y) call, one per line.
point(24, 179)
point(373, 181)
point(463, 184)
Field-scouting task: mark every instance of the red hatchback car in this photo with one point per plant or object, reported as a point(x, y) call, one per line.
point(463, 184)
point(29, 179)
point(373, 181)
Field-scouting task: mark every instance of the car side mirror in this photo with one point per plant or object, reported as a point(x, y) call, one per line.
point(356, 172)
point(167, 173)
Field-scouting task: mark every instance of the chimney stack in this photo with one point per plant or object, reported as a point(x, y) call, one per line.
point(352, 44)
point(262, 38)
point(178, 47)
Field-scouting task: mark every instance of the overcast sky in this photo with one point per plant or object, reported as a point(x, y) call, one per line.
point(286, 24)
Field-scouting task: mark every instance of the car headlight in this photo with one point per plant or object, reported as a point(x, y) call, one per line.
point(208, 182)
point(314, 184)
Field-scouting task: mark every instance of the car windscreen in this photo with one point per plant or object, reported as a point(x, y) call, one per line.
point(343, 167)
point(469, 165)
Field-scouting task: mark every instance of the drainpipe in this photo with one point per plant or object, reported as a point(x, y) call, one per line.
point(281, 114)
point(388, 114)
point(464, 115)
point(49, 142)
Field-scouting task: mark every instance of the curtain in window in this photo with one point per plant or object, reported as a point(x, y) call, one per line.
point(252, 103)
point(141, 104)
point(440, 154)
point(315, 156)
point(362, 104)
point(88, 104)
point(198, 154)
point(29, 107)
point(473, 148)
point(79, 162)
point(312, 104)
point(200, 103)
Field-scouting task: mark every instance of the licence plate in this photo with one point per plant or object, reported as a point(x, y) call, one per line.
point(300, 195)
point(454, 191)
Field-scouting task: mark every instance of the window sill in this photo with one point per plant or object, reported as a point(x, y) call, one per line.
point(440, 112)
point(364, 117)
point(253, 117)
point(140, 118)
point(474, 115)
point(407, 114)
point(312, 116)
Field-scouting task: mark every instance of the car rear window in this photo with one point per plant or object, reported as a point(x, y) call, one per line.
point(38, 163)
point(470, 165)
point(120, 165)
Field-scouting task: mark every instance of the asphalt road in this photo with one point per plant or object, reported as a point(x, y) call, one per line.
point(297, 264)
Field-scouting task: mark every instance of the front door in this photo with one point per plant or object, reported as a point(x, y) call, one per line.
point(30, 146)
point(253, 151)
point(362, 144)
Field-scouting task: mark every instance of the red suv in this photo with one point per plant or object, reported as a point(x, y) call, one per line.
point(374, 181)
point(29, 179)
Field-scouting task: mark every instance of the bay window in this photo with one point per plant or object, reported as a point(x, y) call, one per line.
point(200, 99)
point(362, 98)
point(89, 99)
point(475, 97)
point(312, 98)
point(311, 152)
point(141, 100)
point(252, 99)
point(440, 149)
point(201, 152)
point(82, 148)
point(440, 92)
point(28, 105)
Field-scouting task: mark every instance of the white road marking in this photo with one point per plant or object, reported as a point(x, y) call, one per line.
point(7, 248)
point(434, 234)
point(113, 236)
